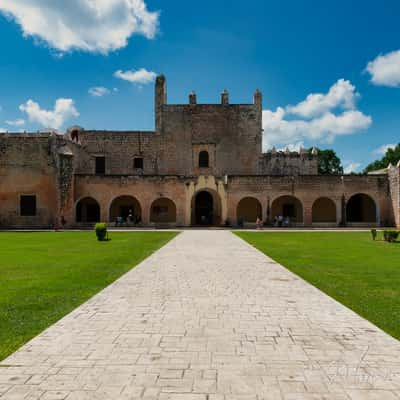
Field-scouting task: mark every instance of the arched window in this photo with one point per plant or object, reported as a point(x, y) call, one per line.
point(203, 159)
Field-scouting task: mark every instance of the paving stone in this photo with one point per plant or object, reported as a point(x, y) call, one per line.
point(207, 317)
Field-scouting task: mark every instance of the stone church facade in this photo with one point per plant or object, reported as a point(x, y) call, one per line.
point(202, 165)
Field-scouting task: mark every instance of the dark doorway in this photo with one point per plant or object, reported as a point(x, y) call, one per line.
point(100, 165)
point(203, 159)
point(361, 208)
point(289, 210)
point(87, 210)
point(28, 206)
point(204, 208)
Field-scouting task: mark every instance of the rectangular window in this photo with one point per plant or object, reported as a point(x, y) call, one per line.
point(138, 163)
point(100, 165)
point(28, 206)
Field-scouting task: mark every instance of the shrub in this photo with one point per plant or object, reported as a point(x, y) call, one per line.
point(101, 231)
point(373, 233)
point(391, 235)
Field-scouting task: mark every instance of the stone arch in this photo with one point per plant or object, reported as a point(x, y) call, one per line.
point(87, 210)
point(122, 206)
point(249, 209)
point(324, 211)
point(361, 208)
point(206, 208)
point(204, 159)
point(288, 206)
point(163, 210)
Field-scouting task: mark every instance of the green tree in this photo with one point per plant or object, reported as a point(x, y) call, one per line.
point(392, 156)
point(328, 162)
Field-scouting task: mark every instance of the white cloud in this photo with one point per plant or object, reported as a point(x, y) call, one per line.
point(17, 122)
point(2, 130)
point(283, 126)
point(141, 76)
point(351, 167)
point(341, 94)
point(383, 149)
point(98, 91)
point(88, 25)
point(385, 69)
point(64, 109)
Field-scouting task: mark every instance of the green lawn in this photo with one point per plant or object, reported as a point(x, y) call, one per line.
point(44, 276)
point(360, 273)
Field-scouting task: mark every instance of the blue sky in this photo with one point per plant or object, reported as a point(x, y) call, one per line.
point(289, 50)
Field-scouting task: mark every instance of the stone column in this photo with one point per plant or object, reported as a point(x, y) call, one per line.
point(160, 100)
point(394, 185)
point(307, 213)
point(225, 97)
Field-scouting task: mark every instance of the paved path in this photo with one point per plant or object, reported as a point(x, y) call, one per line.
point(207, 318)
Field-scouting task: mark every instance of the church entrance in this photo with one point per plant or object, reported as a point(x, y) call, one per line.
point(204, 209)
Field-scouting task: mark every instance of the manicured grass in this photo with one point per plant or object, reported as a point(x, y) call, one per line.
point(44, 276)
point(362, 274)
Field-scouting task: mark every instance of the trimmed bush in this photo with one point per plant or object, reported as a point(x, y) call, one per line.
point(101, 231)
point(391, 235)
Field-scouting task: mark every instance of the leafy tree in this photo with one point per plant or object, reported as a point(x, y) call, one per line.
point(392, 156)
point(328, 162)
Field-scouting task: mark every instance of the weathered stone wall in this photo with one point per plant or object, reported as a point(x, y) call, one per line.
point(60, 171)
point(232, 132)
point(27, 168)
point(144, 189)
point(120, 149)
point(228, 194)
point(394, 182)
point(282, 163)
point(310, 188)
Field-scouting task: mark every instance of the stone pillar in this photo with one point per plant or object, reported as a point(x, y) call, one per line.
point(105, 212)
point(339, 217)
point(258, 108)
point(225, 97)
point(65, 186)
point(343, 213)
point(160, 100)
point(146, 215)
point(268, 211)
point(258, 99)
point(192, 98)
point(394, 186)
point(307, 213)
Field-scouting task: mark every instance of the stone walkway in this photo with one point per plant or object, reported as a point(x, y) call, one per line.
point(207, 318)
